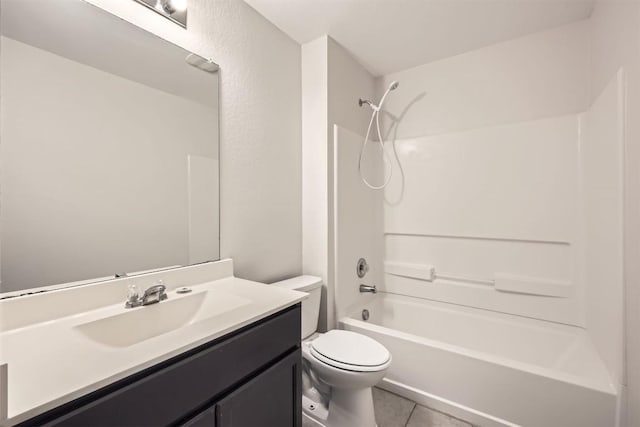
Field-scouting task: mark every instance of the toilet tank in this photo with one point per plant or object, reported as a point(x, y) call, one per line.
point(310, 306)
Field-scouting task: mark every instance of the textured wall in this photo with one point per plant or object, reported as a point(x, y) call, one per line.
point(315, 214)
point(260, 193)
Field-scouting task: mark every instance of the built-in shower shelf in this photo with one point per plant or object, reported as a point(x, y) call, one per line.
point(414, 271)
point(502, 282)
point(531, 285)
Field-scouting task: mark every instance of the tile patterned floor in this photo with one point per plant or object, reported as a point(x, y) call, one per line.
point(395, 411)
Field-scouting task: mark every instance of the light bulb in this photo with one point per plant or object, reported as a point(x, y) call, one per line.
point(171, 6)
point(178, 5)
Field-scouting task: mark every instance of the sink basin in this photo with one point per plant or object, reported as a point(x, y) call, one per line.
point(142, 323)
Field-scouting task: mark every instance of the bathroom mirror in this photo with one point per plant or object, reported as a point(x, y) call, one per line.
point(108, 148)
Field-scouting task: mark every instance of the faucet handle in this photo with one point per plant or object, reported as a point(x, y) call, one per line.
point(132, 292)
point(133, 297)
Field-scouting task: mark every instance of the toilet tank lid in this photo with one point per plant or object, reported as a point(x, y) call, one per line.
point(300, 283)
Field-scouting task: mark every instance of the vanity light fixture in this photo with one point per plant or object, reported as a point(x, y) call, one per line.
point(171, 6)
point(174, 10)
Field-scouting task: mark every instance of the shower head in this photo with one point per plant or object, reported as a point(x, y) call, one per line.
point(393, 86)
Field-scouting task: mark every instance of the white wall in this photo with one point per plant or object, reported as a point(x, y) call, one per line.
point(528, 78)
point(332, 83)
point(357, 220)
point(68, 133)
point(260, 128)
point(348, 81)
point(615, 43)
point(315, 196)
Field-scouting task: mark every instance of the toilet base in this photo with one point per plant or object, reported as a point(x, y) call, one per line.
point(315, 410)
point(347, 408)
point(351, 408)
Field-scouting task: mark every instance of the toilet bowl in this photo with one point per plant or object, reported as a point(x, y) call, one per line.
point(349, 364)
point(340, 367)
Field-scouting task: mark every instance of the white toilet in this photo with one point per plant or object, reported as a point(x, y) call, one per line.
point(340, 367)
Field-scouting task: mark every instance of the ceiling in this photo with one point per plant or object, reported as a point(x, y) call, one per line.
point(392, 35)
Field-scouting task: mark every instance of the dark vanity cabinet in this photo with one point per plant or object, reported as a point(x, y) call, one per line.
point(248, 378)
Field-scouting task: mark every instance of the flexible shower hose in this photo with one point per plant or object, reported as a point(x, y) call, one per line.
point(375, 115)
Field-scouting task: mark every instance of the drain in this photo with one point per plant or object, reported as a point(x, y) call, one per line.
point(365, 314)
point(183, 291)
point(312, 407)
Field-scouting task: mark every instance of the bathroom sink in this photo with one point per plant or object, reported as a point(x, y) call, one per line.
point(132, 326)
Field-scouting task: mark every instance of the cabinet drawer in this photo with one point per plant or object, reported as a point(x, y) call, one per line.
point(185, 383)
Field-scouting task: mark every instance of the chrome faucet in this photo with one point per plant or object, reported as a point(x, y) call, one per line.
point(155, 293)
point(367, 288)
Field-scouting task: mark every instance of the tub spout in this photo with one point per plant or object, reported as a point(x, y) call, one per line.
point(367, 288)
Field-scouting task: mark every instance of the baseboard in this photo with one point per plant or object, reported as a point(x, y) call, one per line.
point(443, 405)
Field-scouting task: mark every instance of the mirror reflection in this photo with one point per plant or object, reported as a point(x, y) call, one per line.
point(109, 148)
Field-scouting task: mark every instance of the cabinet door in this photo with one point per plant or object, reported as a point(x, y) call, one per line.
point(206, 418)
point(272, 399)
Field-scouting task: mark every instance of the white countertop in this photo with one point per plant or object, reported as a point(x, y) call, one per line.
point(52, 362)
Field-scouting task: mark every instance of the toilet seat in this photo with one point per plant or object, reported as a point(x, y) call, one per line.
point(350, 351)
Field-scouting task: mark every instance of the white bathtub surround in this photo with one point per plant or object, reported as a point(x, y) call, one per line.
point(493, 211)
point(502, 205)
point(521, 218)
point(615, 44)
point(602, 161)
point(490, 368)
point(521, 258)
point(86, 339)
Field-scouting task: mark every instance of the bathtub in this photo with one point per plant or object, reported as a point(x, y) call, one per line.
point(489, 368)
